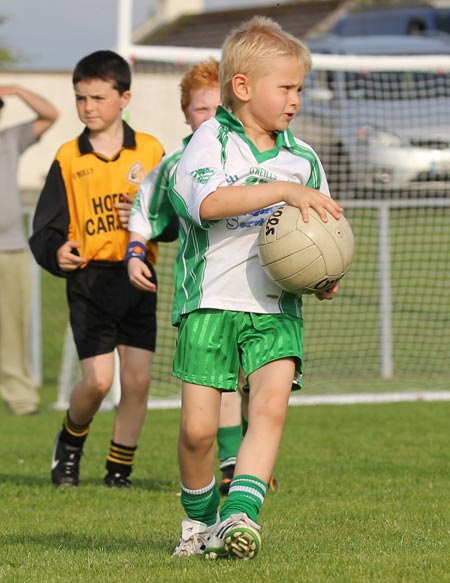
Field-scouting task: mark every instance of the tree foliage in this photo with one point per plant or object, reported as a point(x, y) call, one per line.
point(6, 57)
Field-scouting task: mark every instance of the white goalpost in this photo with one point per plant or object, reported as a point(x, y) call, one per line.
point(70, 373)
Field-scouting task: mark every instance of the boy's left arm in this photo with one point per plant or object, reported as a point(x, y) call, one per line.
point(138, 272)
point(152, 214)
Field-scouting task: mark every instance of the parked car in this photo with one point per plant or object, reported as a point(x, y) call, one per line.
point(394, 20)
point(384, 132)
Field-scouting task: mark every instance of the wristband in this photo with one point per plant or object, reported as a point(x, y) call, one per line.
point(135, 249)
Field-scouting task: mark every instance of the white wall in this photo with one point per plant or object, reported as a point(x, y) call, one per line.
point(154, 108)
point(171, 9)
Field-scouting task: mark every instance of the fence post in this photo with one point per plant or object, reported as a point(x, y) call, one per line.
point(35, 338)
point(384, 281)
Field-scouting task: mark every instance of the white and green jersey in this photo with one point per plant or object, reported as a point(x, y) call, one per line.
point(217, 265)
point(152, 210)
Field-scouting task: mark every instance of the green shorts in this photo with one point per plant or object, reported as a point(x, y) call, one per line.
point(213, 344)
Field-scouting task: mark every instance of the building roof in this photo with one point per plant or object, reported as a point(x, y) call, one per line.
point(209, 29)
point(381, 45)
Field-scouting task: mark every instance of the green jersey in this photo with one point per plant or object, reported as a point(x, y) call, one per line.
point(152, 210)
point(218, 265)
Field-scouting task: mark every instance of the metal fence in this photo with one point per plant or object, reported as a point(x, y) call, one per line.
point(391, 319)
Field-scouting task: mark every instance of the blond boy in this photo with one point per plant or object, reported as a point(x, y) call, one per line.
point(237, 168)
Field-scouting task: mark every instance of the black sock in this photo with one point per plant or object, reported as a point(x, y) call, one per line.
point(73, 434)
point(120, 459)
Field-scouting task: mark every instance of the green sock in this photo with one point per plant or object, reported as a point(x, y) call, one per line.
point(201, 504)
point(246, 495)
point(229, 440)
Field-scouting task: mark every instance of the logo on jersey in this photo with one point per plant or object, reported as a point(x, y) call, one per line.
point(202, 175)
point(103, 216)
point(263, 173)
point(136, 173)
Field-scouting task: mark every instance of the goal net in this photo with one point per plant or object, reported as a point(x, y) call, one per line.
point(381, 126)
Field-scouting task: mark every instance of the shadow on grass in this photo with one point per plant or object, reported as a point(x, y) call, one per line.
point(62, 540)
point(150, 485)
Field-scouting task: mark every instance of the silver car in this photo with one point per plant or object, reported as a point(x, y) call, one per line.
point(383, 133)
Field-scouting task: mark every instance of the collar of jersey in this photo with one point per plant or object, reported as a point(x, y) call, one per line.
point(187, 139)
point(284, 139)
point(129, 139)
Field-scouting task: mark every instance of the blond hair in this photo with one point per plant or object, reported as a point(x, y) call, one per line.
point(249, 48)
point(203, 75)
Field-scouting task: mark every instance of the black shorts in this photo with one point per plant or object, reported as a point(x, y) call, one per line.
point(106, 310)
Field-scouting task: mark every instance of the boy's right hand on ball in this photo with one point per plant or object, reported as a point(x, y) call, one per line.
point(304, 197)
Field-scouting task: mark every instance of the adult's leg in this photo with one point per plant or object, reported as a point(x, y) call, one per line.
point(16, 385)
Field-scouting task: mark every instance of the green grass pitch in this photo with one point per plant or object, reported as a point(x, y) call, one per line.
point(363, 489)
point(363, 498)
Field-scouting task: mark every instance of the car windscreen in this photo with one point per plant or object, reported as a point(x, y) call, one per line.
point(443, 20)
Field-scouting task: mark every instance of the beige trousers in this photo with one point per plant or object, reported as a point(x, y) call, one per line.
point(16, 386)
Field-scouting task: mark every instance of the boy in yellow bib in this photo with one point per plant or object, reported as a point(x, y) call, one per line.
point(77, 234)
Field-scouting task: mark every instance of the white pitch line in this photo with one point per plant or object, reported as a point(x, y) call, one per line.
point(349, 399)
point(370, 398)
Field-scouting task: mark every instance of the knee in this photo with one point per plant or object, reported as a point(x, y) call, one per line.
point(196, 436)
point(136, 382)
point(273, 411)
point(98, 386)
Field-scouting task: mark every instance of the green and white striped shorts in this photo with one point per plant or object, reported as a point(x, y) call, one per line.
point(213, 344)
